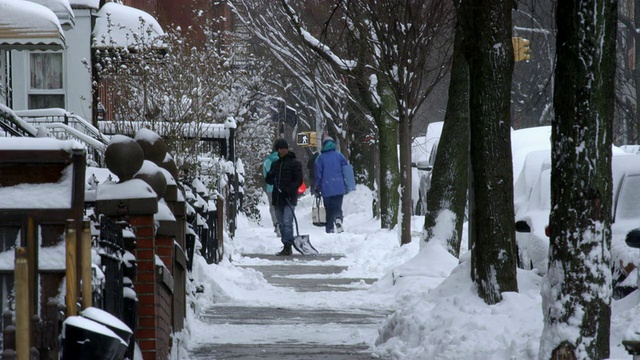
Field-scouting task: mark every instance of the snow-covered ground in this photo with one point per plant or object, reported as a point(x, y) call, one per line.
point(438, 314)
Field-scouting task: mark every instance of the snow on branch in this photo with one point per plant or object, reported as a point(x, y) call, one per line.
point(315, 44)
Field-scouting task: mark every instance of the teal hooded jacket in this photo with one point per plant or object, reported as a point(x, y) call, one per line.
point(266, 166)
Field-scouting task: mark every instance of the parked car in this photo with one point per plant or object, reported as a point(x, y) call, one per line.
point(425, 150)
point(532, 221)
point(423, 157)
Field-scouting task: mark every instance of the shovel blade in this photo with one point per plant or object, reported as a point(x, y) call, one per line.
point(303, 245)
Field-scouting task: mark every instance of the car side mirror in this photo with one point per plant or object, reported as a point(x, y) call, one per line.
point(633, 238)
point(423, 165)
point(522, 226)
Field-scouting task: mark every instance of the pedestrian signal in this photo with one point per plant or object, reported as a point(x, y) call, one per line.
point(307, 139)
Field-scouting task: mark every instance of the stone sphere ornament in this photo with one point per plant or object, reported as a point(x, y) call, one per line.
point(152, 175)
point(153, 146)
point(170, 165)
point(123, 157)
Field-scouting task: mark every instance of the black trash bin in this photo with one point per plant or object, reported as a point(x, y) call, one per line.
point(112, 323)
point(86, 339)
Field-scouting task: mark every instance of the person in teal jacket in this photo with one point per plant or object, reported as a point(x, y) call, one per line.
point(266, 166)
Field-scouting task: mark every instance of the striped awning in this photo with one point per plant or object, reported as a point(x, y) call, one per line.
point(25, 25)
point(62, 9)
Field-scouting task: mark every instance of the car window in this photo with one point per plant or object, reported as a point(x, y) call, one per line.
point(540, 198)
point(628, 198)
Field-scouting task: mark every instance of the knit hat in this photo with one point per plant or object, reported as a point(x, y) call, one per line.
point(281, 144)
point(327, 138)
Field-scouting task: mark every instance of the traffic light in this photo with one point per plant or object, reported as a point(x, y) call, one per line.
point(525, 50)
point(521, 49)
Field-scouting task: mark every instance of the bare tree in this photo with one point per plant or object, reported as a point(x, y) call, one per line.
point(298, 48)
point(189, 81)
point(403, 51)
point(576, 292)
point(411, 43)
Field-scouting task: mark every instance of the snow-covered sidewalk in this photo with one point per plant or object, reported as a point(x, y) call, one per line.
point(322, 303)
point(435, 312)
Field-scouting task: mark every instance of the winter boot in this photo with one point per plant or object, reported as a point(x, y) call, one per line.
point(339, 228)
point(286, 251)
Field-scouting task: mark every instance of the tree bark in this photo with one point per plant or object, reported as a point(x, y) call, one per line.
point(447, 194)
point(490, 56)
point(406, 203)
point(388, 142)
point(576, 292)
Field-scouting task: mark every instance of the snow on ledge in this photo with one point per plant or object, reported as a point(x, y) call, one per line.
point(21, 143)
point(39, 196)
point(131, 189)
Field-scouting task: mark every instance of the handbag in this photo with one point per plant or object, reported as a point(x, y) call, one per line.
point(349, 178)
point(318, 213)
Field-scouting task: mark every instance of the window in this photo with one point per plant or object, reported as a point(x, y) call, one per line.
point(9, 239)
point(628, 199)
point(46, 86)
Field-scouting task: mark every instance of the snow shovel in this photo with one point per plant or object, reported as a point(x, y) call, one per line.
point(301, 242)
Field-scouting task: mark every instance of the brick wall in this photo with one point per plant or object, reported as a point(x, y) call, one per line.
point(164, 250)
point(163, 313)
point(154, 288)
point(145, 285)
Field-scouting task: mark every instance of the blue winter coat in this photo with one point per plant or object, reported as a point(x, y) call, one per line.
point(266, 166)
point(329, 170)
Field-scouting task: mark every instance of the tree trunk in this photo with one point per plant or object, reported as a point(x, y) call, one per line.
point(576, 292)
point(490, 56)
point(447, 194)
point(636, 76)
point(389, 174)
point(404, 140)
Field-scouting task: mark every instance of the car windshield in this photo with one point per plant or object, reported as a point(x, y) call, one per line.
point(628, 199)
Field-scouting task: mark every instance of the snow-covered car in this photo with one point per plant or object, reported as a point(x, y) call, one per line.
point(531, 223)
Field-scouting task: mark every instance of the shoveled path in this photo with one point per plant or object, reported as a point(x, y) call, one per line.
point(268, 327)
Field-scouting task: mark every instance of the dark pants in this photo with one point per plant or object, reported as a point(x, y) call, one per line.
point(333, 207)
point(284, 215)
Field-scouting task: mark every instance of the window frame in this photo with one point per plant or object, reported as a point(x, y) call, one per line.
point(31, 91)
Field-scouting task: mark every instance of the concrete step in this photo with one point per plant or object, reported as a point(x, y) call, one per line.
point(283, 351)
point(295, 257)
point(258, 315)
point(237, 331)
point(302, 277)
point(277, 269)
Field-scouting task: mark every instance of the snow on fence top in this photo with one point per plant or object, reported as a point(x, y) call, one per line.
point(46, 117)
point(191, 130)
point(9, 119)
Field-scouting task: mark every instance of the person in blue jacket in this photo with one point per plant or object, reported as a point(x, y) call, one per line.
point(266, 166)
point(330, 183)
